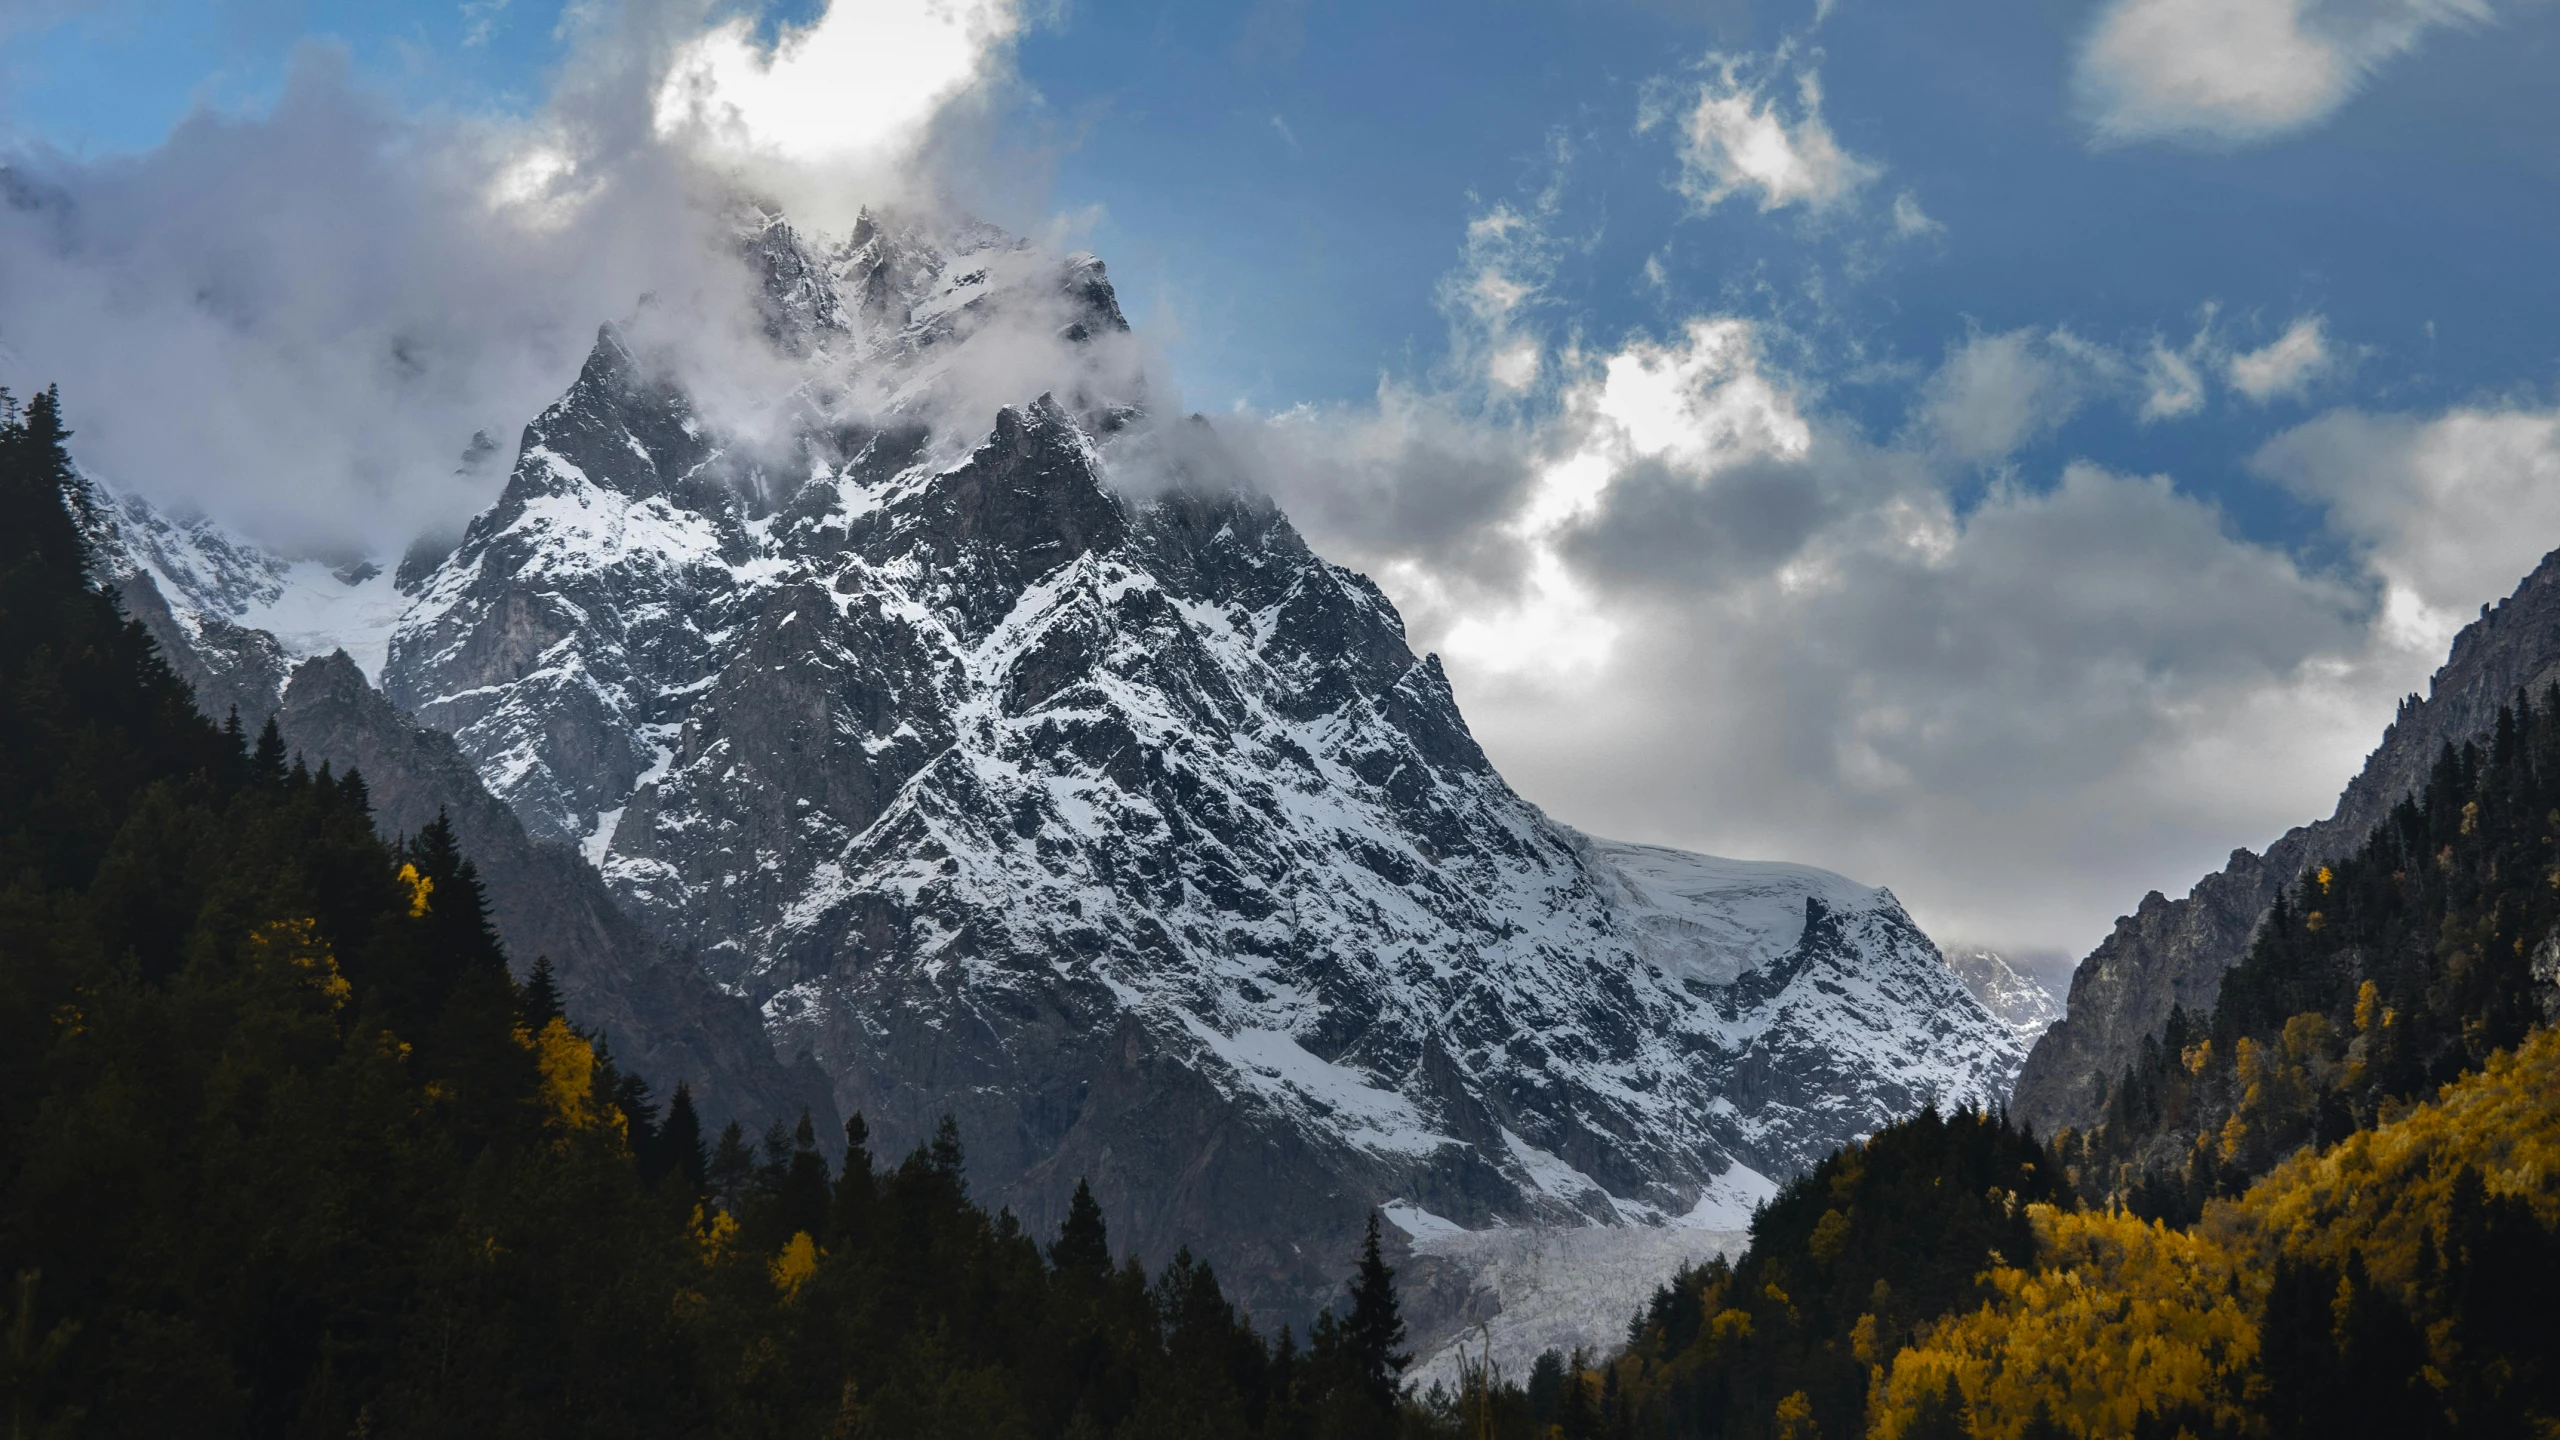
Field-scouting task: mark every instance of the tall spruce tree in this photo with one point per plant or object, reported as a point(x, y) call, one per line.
point(1082, 1247)
point(1373, 1335)
point(541, 995)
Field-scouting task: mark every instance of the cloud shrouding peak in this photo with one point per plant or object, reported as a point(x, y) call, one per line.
point(298, 320)
point(846, 99)
point(1750, 132)
point(2230, 72)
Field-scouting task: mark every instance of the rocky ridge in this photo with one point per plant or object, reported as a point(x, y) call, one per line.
point(1110, 818)
point(2017, 999)
point(2173, 953)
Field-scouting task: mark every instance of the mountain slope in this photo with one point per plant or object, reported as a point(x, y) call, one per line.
point(666, 1022)
point(2172, 954)
point(1094, 810)
point(1124, 827)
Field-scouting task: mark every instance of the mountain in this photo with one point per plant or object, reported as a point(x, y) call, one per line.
point(1015, 765)
point(259, 637)
point(2014, 997)
point(2172, 954)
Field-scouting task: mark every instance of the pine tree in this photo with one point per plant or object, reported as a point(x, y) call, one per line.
point(849, 1213)
point(2041, 1425)
point(458, 903)
point(267, 761)
point(1375, 1328)
point(946, 1157)
point(1943, 1418)
point(800, 1202)
point(732, 1165)
point(1083, 1247)
point(541, 995)
point(679, 1149)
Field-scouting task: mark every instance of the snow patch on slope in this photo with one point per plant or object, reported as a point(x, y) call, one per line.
point(310, 607)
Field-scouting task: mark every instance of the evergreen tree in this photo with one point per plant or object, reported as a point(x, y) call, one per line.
point(800, 1202)
point(680, 1148)
point(267, 762)
point(1082, 1246)
point(732, 1167)
point(541, 995)
point(857, 1187)
point(1576, 1417)
point(1374, 1333)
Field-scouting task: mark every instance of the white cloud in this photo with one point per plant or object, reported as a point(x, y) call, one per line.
point(845, 100)
point(1910, 221)
point(2173, 387)
point(2287, 367)
point(1684, 603)
point(1996, 392)
point(298, 320)
point(2235, 71)
point(2448, 511)
point(1744, 135)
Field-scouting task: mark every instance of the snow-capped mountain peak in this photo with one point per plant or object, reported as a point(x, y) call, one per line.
point(1114, 821)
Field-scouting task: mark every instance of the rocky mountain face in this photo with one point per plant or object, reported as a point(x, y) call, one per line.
point(1111, 820)
point(659, 1014)
point(2173, 953)
point(2017, 999)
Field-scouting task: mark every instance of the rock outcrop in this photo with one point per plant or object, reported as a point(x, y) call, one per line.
point(2173, 953)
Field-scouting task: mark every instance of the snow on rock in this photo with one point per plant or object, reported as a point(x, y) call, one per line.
point(1127, 830)
point(2017, 999)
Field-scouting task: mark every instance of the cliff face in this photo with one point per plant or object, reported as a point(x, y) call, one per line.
point(2173, 953)
point(661, 1017)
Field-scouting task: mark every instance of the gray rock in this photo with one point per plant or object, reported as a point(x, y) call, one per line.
point(2174, 953)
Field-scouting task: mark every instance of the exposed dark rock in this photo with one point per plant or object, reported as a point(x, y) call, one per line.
point(2175, 952)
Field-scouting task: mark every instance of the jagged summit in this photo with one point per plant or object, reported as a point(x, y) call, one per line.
point(1114, 820)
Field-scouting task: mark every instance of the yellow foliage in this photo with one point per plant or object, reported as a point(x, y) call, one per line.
point(792, 1268)
point(2324, 877)
point(714, 1235)
point(1830, 1233)
point(2368, 1007)
point(1794, 1420)
point(1729, 1326)
point(295, 945)
point(2123, 1316)
point(420, 887)
point(1863, 1341)
point(2381, 1190)
point(568, 1066)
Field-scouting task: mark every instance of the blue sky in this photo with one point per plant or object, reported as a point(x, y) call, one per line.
point(2018, 259)
point(1281, 186)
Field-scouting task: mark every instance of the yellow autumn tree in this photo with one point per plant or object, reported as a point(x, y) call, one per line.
point(2381, 1191)
point(792, 1267)
point(294, 949)
point(567, 1063)
point(420, 887)
point(2121, 1317)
